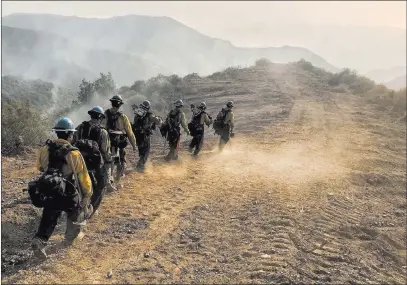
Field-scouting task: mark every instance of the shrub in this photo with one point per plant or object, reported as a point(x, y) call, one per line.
point(307, 66)
point(21, 119)
point(263, 63)
point(358, 84)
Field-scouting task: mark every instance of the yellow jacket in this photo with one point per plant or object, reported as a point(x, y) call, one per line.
point(78, 166)
point(229, 119)
point(122, 124)
point(182, 119)
point(205, 120)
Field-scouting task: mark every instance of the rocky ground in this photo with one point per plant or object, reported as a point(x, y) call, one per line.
point(311, 190)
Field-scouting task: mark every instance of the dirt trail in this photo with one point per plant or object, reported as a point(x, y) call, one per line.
point(316, 197)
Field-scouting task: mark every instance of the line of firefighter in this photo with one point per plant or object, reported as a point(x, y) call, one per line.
point(79, 165)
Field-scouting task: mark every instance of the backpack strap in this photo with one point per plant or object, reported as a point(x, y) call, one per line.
point(57, 154)
point(85, 130)
point(78, 188)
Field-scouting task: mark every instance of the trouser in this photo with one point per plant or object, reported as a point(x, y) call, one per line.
point(143, 142)
point(224, 138)
point(99, 182)
point(121, 165)
point(119, 162)
point(197, 142)
point(174, 138)
point(49, 219)
point(120, 143)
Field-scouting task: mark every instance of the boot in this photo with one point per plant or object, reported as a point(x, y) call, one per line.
point(38, 247)
point(111, 188)
point(140, 167)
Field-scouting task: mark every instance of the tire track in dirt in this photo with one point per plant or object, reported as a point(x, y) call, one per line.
point(258, 213)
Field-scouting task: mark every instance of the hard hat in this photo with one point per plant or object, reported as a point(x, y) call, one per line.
point(202, 106)
point(230, 104)
point(179, 103)
point(145, 105)
point(97, 110)
point(64, 124)
point(117, 97)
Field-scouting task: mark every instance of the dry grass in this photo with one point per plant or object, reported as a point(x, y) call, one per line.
point(316, 195)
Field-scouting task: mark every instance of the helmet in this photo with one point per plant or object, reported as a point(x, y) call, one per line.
point(230, 104)
point(146, 105)
point(117, 97)
point(179, 103)
point(202, 106)
point(64, 125)
point(97, 110)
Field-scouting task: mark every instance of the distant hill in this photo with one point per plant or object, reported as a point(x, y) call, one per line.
point(361, 48)
point(138, 45)
point(35, 54)
point(44, 96)
point(397, 83)
point(385, 75)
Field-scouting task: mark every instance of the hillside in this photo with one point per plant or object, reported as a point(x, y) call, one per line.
point(386, 75)
point(145, 41)
point(357, 47)
point(34, 54)
point(311, 190)
point(40, 94)
point(397, 83)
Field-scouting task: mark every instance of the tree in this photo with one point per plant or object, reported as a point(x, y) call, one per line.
point(105, 85)
point(138, 86)
point(86, 91)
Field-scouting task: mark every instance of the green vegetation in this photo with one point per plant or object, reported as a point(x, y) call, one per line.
point(20, 119)
point(350, 81)
point(104, 86)
point(37, 92)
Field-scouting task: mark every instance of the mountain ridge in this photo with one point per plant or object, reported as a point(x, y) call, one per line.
point(168, 45)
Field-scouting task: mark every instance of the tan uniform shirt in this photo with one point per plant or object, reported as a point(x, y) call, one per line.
point(123, 124)
point(229, 119)
point(205, 120)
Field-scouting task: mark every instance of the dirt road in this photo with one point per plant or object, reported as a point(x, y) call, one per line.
point(317, 196)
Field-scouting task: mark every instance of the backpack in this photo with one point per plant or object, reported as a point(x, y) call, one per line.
point(88, 145)
point(219, 122)
point(195, 126)
point(142, 122)
point(52, 188)
point(173, 118)
point(171, 124)
point(112, 118)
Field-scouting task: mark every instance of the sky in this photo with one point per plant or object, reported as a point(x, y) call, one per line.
point(209, 16)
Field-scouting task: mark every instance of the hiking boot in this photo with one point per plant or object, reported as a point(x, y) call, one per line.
point(38, 247)
point(111, 188)
point(95, 213)
point(190, 150)
point(140, 169)
point(70, 242)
